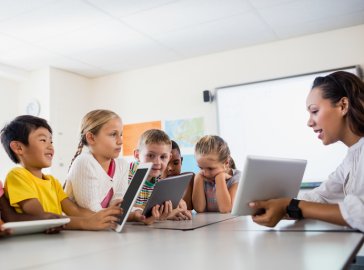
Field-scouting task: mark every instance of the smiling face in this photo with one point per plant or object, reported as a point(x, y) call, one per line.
point(38, 154)
point(174, 166)
point(210, 165)
point(158, 154)
point(106, 144)
point(326, 119)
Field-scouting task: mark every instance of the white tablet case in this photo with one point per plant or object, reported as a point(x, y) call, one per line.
point(133, 191)
point(267, 178)
point(34, 226)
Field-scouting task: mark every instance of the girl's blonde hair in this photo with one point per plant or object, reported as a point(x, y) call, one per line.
point(153, 136)
point(92, 122)
point(212, 144)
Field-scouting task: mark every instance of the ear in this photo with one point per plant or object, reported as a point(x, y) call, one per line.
point(344, 105)
point(90, 138)
point(226, 163)
point(136, 154)
point(16, 147)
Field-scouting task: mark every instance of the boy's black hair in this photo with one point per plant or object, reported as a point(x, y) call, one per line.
point(19, 130)
point(175, 146)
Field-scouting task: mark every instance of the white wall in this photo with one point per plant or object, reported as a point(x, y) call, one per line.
point(69, 102)
point(169, 91)
point(9, 92)
point(174, 90)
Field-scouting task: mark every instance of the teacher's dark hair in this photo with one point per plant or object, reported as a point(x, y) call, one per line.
point(341, 84)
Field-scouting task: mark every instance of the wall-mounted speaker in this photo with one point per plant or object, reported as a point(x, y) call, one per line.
point(207, 96)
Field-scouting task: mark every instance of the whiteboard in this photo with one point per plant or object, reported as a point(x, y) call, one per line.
point(269, 118)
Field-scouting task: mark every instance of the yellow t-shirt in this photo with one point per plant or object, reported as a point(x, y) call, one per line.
point(20, 185)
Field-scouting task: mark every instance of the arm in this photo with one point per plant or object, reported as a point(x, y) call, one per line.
point(9, 214)
point(83, 184)
point(88, 220)
point(198, 194)
point(224, 196)
point(72, 209)
point(275, 210)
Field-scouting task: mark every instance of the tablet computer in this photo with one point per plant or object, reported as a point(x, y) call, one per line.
point(132, 193)
point(267, 178)
point(169, 189)
point(34, 226)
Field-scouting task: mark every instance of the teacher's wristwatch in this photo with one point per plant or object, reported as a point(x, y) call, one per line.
point(293, 210)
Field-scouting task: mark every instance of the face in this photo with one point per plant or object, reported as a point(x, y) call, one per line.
point(106, 144)
point(38, 154)
point(158, 154)
point(210, 166)
point(174, 165)
point(326, 119)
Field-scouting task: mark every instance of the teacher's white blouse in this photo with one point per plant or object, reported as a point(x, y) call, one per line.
point(345, 186)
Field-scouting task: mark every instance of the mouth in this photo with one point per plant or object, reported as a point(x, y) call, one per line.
point(319, 131)
point(118, 149)
point(49, 155)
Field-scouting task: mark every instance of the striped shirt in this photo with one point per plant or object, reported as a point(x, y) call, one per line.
point(210, 191)
point(147, 188)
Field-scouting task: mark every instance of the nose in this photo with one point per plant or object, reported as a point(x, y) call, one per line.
point(310, 122)
point(119, 140)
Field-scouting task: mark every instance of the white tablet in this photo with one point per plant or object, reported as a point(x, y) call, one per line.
point(34, 226)
point(169, 189)
point(267, 178)
point(132, 192)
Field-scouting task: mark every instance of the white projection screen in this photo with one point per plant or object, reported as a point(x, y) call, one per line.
point(269, 118)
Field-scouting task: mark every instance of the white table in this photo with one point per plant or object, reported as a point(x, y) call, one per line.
point(231, 244)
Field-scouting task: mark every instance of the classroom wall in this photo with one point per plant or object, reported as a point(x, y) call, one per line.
point(169, 91)
point(174, 90)
point(9, 92)
point(69, 102)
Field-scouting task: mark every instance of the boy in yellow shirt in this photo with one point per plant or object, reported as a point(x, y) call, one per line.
point(28, 142)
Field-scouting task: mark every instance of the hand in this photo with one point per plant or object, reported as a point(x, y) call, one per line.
point(181, 212)
point(165, 210)
point(4, 232)
point(137, 216)
point(49, 215)
point(116, 202)
point(222, 176)
point(270, 212)
point(104, 219)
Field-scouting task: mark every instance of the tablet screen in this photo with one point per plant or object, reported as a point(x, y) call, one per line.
point(132, 192)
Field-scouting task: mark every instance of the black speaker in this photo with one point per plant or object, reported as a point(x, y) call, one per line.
point(207, 96)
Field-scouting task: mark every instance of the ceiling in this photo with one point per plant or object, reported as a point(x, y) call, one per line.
point(99, 37)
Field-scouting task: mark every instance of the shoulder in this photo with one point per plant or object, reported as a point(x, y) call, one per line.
point(236, 176)
point(122, 163)
point(85, 161)
point(18, 172)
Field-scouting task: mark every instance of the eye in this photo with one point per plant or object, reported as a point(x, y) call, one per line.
point(150, 155)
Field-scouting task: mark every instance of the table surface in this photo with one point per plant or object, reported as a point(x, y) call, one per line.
point(227, 243)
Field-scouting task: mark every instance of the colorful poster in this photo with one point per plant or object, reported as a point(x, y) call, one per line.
point(186, 132)
point(132, 132)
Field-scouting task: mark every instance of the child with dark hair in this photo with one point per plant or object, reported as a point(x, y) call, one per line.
point(174, 167)
point(28, 142)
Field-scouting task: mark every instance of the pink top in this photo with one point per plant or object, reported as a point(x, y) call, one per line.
point(105, 202)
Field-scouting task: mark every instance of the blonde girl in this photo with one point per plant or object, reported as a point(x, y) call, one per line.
point(216, 184)
point(97, 177)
